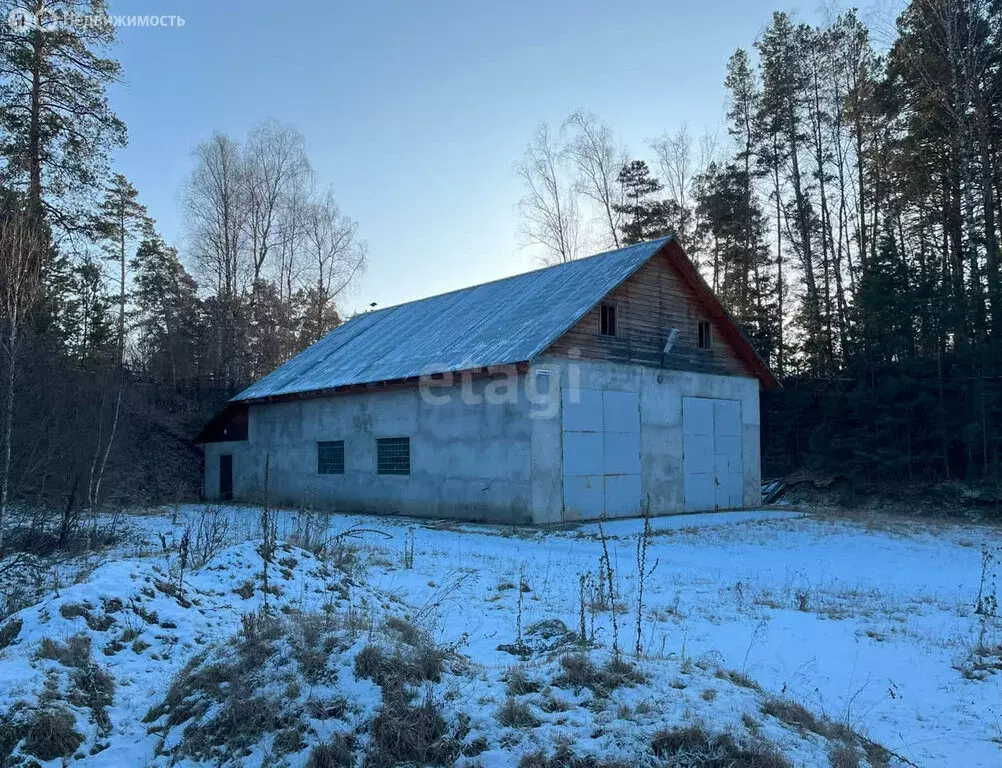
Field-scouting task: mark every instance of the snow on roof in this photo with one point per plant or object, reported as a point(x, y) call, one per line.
point(498, 323)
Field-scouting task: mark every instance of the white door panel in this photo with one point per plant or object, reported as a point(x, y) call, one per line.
point(584, 412)
point(727, 418)
point(621, 453)
point(601, 454)
point(621, 412)
point(622, 495)
point(584, 497)
point(697, 416)
point(711, 446)
point(583, 453)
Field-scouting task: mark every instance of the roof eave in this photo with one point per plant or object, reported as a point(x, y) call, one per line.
point(732, 331)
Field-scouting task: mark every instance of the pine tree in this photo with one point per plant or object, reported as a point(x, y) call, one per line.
point(169, 325)
point(56, 128)
point(737, 226)
point(88, 319)
point(122, 219)
point(782, 50)
point(642, 218)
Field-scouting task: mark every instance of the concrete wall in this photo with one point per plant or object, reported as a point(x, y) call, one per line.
point(660, 431)
point(468, 460)
point(494, 461)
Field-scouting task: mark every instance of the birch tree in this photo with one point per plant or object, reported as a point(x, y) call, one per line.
point(598, 159)
point(20, 252)
point(548, 209)
point(335, 258)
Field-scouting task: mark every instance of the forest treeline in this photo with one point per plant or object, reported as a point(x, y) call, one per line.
point(115, 348)
point(850, 222)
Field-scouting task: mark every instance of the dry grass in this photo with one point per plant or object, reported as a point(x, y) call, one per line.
point(410, 665)
point(288, 741)
point(518, 683)
point(799, 717)
point(551, 703)
point(93, 687)
point(312, 646)
point(475, 746)
point(403, 733)
point(230, 700)
point(844, 756)
point(564, 757)
point(579, 672)
point(98, 623)
point(51, 734)
point(693, 747)
point(516, 714)
point(9, 632)
point(327, 709)
point(738, 678)
point(406, 631)
point(337, 752)
point(75, 652)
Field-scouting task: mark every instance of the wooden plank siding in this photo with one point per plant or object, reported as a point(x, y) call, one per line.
point(649, 304)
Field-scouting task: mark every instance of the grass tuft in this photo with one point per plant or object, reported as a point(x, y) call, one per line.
point(75, 652)
point(338, 752)
point(403, 733)
point(579, 672)
point(844, 756)
point(9, 632)
point(518, 683)
point(51, 734)
point(738, 678)
point(564, 757)
point(516, 714)
point(699, 749)
point(401, 666)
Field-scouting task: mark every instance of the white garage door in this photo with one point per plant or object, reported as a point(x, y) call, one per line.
point(601, 454)
point(711, 445)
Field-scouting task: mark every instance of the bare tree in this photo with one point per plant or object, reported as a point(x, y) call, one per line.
point(598, 161)
point(675, 158)
point(290, 264)
point(215, 218)
point(549, 213)
point(276, 171)
point(215, 211)
point(21, 249)
point(335, 257)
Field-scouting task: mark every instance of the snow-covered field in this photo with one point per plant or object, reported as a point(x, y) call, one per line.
point(872, 627)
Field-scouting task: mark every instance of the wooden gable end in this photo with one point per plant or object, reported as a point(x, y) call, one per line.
point(648, 305)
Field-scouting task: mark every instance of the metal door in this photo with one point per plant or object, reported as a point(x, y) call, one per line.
point(711, 446)
point(601, 454)
point(727, 453)
point(226, 476)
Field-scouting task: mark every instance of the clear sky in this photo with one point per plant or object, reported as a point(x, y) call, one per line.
point(416, 110)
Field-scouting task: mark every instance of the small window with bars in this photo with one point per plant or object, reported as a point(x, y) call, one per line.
point(705, 335)
point(608, 320)
point(330, 457)
point(393, 456)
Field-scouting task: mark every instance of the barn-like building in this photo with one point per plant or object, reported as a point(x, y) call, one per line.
point(615, 385)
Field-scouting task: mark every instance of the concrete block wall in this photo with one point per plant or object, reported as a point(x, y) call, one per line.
point(468, 461)
point(486, 461)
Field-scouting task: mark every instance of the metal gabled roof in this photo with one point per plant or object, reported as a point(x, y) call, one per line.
point(498, 323)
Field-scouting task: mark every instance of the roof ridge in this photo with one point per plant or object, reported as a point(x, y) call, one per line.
point(511, 319)
point(553, 267)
